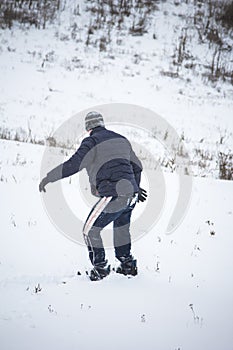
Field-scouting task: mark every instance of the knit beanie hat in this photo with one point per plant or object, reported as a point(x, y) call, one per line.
point(93, 119)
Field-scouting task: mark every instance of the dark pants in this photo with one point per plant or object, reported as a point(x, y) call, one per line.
point(109, 209)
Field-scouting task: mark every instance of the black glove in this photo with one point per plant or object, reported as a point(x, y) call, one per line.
point(142, 195)
point(43, 183)
point(52, 176)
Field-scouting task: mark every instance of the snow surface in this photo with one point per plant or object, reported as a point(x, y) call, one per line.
point(182, 297)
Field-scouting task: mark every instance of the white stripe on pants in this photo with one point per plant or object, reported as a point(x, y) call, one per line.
point(101, 205)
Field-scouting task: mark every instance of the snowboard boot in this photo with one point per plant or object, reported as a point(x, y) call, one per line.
point(128, 266)
point(99, 272)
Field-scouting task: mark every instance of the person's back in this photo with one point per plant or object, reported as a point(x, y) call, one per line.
point(114, 170)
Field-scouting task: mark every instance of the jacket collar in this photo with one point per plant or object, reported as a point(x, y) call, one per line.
point(98, 128)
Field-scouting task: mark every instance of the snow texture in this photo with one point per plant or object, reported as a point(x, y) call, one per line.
point(182, 296)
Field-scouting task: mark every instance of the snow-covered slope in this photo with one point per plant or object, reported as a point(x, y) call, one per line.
point(46, 76)
point(181, 299)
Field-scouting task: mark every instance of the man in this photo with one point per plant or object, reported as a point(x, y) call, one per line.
point(114, 173)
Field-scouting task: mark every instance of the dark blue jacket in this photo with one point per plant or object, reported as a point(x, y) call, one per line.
point(111, 164)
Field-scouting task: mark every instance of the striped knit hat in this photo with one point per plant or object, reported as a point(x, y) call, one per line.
point(93, 119)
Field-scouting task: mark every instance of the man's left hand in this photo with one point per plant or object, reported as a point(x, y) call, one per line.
point(142, 195)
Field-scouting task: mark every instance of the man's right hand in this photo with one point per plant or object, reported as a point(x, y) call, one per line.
point(43, 183)
point(142, 195)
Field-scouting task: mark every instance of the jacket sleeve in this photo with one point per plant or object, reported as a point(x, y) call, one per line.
point(77, 162)
point(136, 165)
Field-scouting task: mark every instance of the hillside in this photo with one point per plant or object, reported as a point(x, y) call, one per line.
point(51, 74)
point(171, 62)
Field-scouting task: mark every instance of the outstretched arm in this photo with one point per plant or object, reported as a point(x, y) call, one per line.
point(77, 162)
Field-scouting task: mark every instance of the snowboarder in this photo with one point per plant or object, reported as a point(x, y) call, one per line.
point(114, 173)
